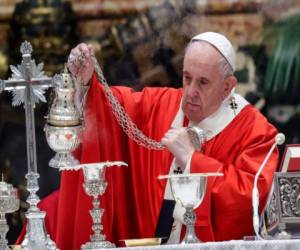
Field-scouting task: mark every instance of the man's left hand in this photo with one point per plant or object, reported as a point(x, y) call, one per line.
point(178, 142)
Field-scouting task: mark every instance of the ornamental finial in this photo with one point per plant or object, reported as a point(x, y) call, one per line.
point(26, 48)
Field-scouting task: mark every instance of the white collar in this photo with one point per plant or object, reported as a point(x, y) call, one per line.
point(216, 122)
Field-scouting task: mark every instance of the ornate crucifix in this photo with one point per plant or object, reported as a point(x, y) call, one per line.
point(28, 84)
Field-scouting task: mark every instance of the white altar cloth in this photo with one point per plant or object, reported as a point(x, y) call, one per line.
point(229, 245)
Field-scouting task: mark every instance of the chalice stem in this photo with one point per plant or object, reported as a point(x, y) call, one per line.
point(190, 219)
point(97, 227)
point(97, 239)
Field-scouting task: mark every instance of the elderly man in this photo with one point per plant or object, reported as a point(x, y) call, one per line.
point(238, 139)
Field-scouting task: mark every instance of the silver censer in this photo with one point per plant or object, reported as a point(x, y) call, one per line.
point(64, 123)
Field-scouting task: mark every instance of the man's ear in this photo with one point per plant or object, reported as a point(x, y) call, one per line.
point(229, 83)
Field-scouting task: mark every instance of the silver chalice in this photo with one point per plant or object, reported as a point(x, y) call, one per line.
point(95, 185)
point(189, 191)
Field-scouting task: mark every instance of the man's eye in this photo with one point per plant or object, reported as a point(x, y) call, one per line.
point(187, 78)
point(202, 82)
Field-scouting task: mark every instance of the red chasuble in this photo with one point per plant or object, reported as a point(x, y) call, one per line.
point(134, 196)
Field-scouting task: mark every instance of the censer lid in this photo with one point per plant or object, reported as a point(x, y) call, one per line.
point(67, 81)
point(63, 111)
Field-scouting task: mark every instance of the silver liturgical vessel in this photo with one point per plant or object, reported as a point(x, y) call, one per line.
point(64, 124)
point(95, 185)
point(282, 211)
point(9, 203)
point(189, 190)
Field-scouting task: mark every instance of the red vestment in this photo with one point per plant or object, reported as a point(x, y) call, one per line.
point(133, 197)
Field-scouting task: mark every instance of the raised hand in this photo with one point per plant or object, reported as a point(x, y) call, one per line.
point(80, 63)
point(178, 142)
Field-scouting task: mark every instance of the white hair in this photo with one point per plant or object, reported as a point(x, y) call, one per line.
point(225, 67)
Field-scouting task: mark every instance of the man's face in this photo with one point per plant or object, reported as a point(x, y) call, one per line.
point(204, 86)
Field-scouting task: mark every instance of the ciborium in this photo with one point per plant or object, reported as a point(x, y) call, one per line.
point(9, 203)
point(95, 185)
point(189, 190)
point(64, 124)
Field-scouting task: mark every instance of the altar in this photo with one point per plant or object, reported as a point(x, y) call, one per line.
point(229, 245)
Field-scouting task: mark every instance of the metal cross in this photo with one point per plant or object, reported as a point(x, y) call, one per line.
point(27, 84)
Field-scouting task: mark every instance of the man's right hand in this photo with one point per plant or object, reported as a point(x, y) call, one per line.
point(80, 63)
point(178, 142)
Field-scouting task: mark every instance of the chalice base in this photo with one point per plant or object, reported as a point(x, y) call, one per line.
point(190, 239)
point(98, 245)
point(63, 160)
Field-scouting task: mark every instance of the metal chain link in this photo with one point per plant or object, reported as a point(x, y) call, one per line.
point(128, 126)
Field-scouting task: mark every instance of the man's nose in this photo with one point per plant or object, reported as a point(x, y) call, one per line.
point(192, 90)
